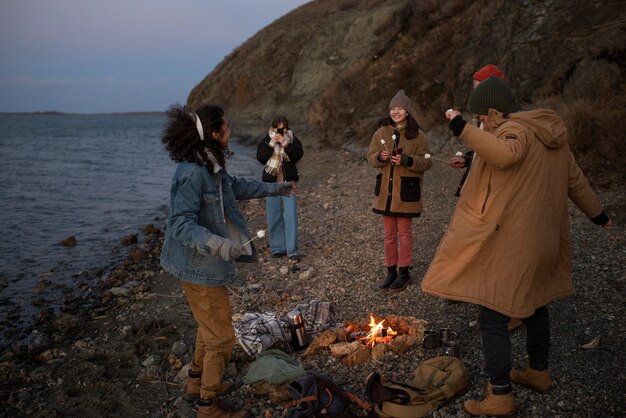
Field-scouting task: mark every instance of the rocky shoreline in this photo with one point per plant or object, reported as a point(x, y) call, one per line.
point(121, 350)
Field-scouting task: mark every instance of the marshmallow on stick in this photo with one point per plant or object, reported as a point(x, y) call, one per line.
point(449, 111)
point(259, 234)
point(382, 141)
point(430, 157)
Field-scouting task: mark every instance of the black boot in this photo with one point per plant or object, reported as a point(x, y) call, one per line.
point(402, 281)
point(392, 274)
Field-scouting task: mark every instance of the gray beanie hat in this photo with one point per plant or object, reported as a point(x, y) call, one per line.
point(401, 99)
point(493, 93)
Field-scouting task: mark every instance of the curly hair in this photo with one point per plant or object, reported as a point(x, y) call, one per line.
point(182, 140)
point(412, 127)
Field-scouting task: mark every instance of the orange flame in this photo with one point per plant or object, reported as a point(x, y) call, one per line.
point(376, 333)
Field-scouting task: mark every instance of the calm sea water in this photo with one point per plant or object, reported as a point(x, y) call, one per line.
point(95, 177)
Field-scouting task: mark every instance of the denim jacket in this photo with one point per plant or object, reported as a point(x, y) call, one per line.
point(200, 204)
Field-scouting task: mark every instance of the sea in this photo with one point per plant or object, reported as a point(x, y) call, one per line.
point(95, 177)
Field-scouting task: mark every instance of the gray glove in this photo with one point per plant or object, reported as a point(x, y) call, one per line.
point(230, 250)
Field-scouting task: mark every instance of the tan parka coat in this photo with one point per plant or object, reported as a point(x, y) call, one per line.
point(398, 189)
point(508, 244)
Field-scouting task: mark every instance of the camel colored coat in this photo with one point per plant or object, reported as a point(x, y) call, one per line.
point(398, 190)
point(508, 245)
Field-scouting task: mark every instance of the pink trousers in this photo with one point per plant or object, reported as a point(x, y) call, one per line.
point(398, 241)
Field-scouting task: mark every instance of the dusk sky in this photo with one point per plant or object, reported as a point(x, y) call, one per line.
point(90, 56)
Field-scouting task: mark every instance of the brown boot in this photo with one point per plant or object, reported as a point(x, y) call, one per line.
point(213, 408)
point(492, 405)
point(194, 382)
point(514, 324)
point(537, 380)
point(192, 388)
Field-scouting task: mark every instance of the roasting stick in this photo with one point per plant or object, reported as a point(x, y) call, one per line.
point(235, 294)
point(382, 141)
point(430, 157)
point(458, 154)
point(259, 234)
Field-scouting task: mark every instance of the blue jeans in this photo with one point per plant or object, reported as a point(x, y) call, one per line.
point(282, 224)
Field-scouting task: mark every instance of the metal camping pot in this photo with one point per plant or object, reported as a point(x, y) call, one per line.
point(446, 334)
point(451, 348)
point(296, 325)
point(431, 339)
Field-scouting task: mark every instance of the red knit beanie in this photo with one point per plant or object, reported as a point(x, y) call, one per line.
point(488, 71)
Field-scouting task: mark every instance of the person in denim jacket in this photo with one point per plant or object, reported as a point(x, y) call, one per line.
point(206, 232)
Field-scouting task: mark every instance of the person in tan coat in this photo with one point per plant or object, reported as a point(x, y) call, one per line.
point(507, 247)
point(465, 161)
point(398, 150)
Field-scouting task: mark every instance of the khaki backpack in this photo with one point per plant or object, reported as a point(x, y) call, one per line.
point(433, 382)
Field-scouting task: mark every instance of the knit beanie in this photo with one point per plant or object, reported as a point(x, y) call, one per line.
point(401, 99)
point(493, 93)
point(488, 71)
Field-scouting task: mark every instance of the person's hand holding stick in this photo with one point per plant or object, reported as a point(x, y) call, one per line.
point(384, 155)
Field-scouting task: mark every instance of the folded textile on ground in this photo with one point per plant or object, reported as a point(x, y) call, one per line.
point(257, 332)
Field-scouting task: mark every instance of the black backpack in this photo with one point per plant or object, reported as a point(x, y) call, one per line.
point(316, 395)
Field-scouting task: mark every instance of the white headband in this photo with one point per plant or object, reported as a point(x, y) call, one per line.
point(199, 126)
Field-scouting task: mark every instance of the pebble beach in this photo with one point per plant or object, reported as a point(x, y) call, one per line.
point(123, 347)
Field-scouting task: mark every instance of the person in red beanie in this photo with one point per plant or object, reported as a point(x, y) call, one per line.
point(486, 72)
point(507, 247)
point(465, 161)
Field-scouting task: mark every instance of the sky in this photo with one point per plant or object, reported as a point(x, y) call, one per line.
point(94, 56)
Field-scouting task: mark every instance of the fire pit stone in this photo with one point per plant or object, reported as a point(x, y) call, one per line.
point(359, 356)
point(354, 343)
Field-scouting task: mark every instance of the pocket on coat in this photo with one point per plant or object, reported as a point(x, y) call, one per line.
point(467, 237)
point(410, 189)
point(379, 179)
point(213, 212)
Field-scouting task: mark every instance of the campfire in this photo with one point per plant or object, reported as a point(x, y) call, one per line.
point(355, 343)
point(376, 334)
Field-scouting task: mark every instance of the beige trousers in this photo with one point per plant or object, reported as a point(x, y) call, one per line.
point(215, 337)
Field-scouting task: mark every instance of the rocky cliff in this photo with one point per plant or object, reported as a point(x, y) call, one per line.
point(331, 66)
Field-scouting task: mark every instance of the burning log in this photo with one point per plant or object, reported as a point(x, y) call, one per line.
point(363, 335)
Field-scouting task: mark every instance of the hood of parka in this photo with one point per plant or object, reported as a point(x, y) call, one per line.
point(546, 124)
